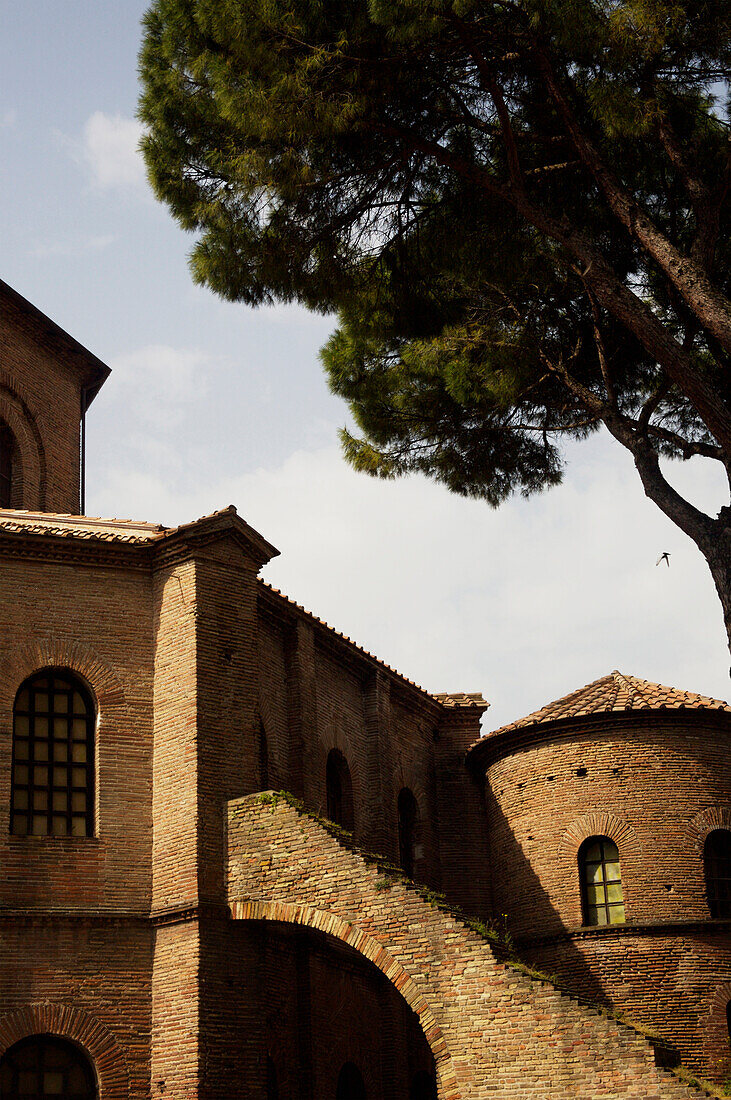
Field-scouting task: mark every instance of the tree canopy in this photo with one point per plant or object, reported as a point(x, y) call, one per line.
point(518, 209)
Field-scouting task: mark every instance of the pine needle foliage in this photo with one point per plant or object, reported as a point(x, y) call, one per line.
point(519, 210)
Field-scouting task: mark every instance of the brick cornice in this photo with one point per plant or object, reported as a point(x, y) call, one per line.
point(621, 931)
point(591, 727)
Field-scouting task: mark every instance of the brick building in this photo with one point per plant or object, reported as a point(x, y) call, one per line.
point(171, 928)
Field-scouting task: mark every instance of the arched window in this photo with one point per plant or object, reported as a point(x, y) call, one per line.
point(7, 446)
point(272, 1083)
point(350, 1083)
point(44, 1065)
point(423, 1086)
point(717, 865)
point(408, 815)
point(339, 790)
point(263, 759)
point(52, 790)
point(601, 881)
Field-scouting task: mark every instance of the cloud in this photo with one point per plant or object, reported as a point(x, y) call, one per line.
point(158, 384)
point(110, 148)
point(525, 603)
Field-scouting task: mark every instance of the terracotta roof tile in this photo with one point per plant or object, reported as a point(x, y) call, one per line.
point(461, 699)
point(616, 692)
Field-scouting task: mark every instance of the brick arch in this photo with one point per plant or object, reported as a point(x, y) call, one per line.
point(712, 1026)
point(72, 1023)
point(371, 949)
point(601, 824)
point(707, 821)
point(15, 411)
point(52, 652)
point(334, 736)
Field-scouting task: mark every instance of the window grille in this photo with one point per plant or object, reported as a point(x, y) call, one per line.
point(717, 865)
point(601, 882)
point(52, 790)
point(43, 1065)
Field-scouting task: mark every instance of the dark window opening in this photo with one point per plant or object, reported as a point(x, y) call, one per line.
point(601, 882)
point(272, 1084)
point(408, 813)
point(717, 866)
point(46, 1066)
point(52, 787)
point(350, 1083)
point(423, 1086)
point(7, 446)
point(339, 791)
point(263, 759)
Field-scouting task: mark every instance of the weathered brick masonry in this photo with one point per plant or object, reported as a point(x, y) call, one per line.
point(492, 1030)
point(200, 943)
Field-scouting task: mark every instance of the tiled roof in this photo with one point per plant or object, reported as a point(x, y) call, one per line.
point(616, 692)
point(461, 699)
point(18, 521)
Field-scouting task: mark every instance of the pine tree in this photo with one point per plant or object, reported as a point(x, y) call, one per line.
point(519, 210)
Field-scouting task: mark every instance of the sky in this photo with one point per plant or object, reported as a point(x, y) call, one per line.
point(212, 403)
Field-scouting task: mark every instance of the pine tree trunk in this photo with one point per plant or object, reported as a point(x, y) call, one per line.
point(717, 552)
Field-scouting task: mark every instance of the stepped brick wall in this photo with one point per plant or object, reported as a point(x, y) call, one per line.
point(492, 1029)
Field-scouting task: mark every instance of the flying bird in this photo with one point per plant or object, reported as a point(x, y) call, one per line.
point(664, 557)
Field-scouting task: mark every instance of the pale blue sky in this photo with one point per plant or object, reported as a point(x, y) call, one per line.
point(212, 403)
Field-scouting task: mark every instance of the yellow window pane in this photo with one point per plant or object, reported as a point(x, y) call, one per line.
point(60, 826)
point(60, 703)
point(40, 825)
point(79, 729)
point(20, 773)
point(41, 702)
point(614, 892)
point(594, 894)
point(20, 800)
point(40, 727)
point(40, 776)
point(78, 826)
point(601, 916)
point(612, 872)
point(41, 750)
point(21, 750)
point(60, 800)
point(78, 753)
point(79, 705)
point(78, 777)
point(20, 825)
point(52, 1084)
point(21, 727)
point(78, 801)
point(60, 777)
point(60, 751)
point(594, 872)
point(616, 914)
point(40, 800)
point(60, 729)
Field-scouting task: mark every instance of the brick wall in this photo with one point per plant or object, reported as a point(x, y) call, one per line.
point(492, 1030)
point(40, 401)
point(656, 784)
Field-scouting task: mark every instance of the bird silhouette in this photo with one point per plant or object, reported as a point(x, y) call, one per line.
point(665, 556)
